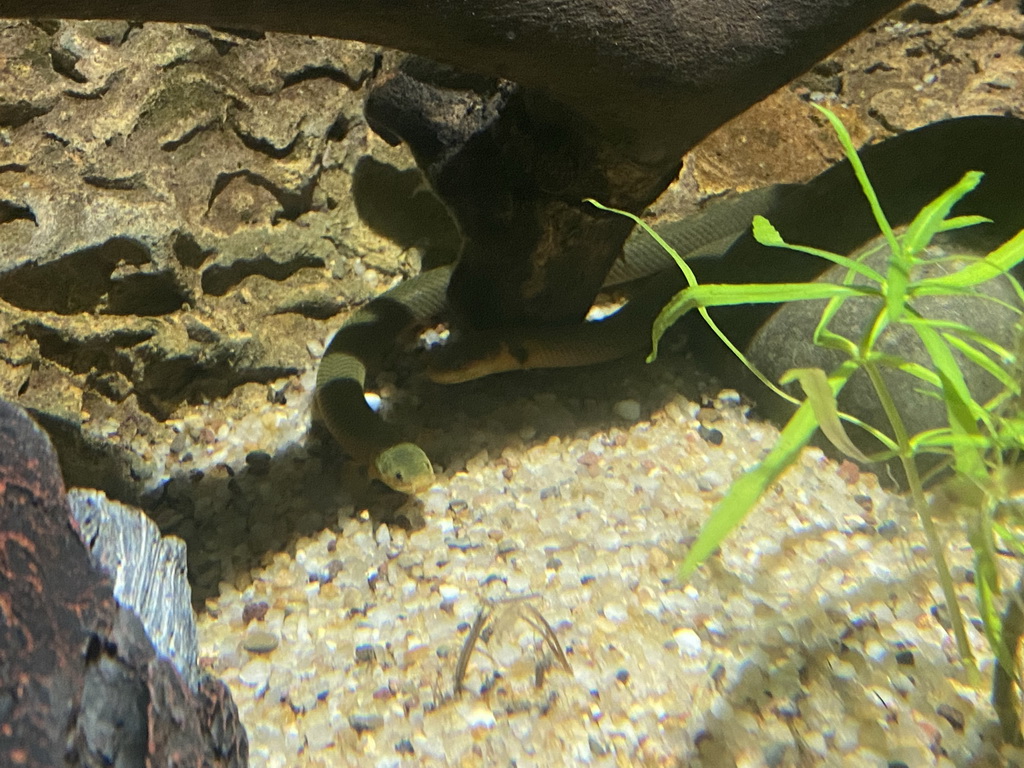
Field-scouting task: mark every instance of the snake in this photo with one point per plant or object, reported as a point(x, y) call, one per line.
point(359, 347)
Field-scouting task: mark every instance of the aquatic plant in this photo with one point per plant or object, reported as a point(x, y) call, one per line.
point(977, 444)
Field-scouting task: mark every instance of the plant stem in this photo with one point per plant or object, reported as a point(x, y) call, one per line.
point(921, 507)
point(1004, 696)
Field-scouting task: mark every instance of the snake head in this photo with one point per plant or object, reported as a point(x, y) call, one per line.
point(405, 468)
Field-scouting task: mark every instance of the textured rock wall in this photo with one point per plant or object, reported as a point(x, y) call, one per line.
point(177, 208)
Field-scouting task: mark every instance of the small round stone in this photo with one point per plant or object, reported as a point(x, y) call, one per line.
point(688, 642)
point(627, 410)
point(615, 612)
point(255, 673)
point(365, 722)
point(260, 641)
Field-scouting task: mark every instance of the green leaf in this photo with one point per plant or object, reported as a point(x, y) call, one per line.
point(679, 260)
point(897, 281)
point(986, 576)
point(998, 262)
point(815, 384)
point(744, 493)
point(722, 295)
point(898, 276)
point(1011, 432)
point(765, 233)
point(961, 408)
point(960, 391)
point(932, 439)
point(983, 361)
point(916, 370)
point(862, 177)
point(960, 222)
point(823, 337)
point(930, 219)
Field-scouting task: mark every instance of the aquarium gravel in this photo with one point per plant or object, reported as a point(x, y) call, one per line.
point(531, 616)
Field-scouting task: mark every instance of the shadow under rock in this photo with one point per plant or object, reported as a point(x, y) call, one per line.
point(517, 410)
point(398, 205)
point(234, 519)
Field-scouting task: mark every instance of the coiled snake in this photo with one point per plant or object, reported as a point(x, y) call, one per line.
point(359, 346)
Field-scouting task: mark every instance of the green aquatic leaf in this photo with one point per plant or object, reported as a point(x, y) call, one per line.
point(745, 492)
point(862, 177)
point(998, 262)
point(766, 234)
point(816, 386)
point(961, 408)
point(997, 369)
point(930, 219)
point(725, 295)
point(961, 222)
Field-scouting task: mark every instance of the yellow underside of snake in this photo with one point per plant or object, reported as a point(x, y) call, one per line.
point(358, 348)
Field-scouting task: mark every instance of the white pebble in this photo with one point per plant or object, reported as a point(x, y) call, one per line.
point(435, 502)
point(687, 641)
point(875, 650)
point(608, 539)
point(844, 670)
point(628, 410)
point(480, 716)
point(449, 592)
point(255, 673)
point(729, 397)
point(518, 583)
point(319, 732)
point(710, 479)
point(615, 612)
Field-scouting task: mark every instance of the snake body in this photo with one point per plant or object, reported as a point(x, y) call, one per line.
point(358, 348)
point(828, 211)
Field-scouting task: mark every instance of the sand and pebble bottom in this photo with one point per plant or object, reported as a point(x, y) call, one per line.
point(812, 638)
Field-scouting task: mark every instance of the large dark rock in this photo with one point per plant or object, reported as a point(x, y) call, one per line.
point(622, 88)
point(80, 682)
point(785, 342)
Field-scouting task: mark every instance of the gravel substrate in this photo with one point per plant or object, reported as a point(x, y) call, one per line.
point(813, 638)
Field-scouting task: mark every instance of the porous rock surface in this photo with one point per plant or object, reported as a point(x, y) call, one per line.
point(178, 208)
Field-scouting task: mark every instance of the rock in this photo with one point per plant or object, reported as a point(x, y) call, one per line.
point(138, 262)
point(148, 572)
point(784, 342)
point(260, 641)
point(362, 723)
point(627, 410)
point(92, 690)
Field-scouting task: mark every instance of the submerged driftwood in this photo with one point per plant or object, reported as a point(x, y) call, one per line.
point(612, 94)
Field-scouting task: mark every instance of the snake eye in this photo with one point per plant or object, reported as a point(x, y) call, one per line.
point(398, 476)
